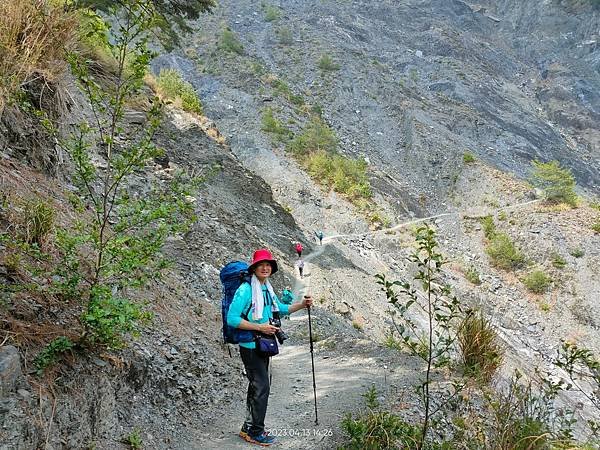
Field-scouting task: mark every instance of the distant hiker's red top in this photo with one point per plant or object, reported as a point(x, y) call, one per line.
point(298, 247)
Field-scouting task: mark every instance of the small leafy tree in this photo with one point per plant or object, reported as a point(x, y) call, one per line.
point(557, 183)
point(115, 244)
point(440, 308)
point(169, 14)
point(583, 369)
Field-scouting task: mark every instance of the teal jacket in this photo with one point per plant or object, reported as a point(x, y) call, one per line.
point(241, 306)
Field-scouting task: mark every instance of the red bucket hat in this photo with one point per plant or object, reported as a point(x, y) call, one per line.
point(262, 255)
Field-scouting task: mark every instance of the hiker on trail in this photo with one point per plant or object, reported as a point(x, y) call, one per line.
point(319, 235)
point(287, 296)
point(299, 249)
point(300, 265)
point(253, 308)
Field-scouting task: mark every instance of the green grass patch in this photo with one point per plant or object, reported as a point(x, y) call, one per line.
point(376, 429)
point(38, 221)
point(503, 252)
point(537, 281)
point(272, 125)
point(272, 13)
point(317, 136)
point(284, 35)
point(469, 158)
point(229, 42)
point(596, 226)
point(489, 227)
point(472, 275)
point(577, 253)
point(392, 343)
point(345, 175)
point(283, 89)
point(327, 64)
point(557, 260)
point(316, 149)
point(171, 86)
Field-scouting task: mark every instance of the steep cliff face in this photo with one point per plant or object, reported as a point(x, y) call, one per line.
point(418, 84)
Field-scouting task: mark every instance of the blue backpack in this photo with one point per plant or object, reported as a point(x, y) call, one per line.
point(232, 276)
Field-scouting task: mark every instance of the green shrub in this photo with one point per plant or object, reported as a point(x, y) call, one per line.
point(537, 281)
point(38, 221)
point(345, 175)
point(472, 275)
point(503, 252)
point(558, 261)
point(357, 325)
point(134, 439)
point(270, 124)
point(229, 42)
point(392, 343)
point(481, 352)
point(557, 183)
point(326, 63)
point(285, 91)
point(110, 318)
point(173, 87)
point(596, 226)
point(577, 253)
point(271, 13)
point(378, 218)
point(489, 227)
point(468, 158)
point(52, 353)
point(317, 136)
point(284, 36)
point(315, 148)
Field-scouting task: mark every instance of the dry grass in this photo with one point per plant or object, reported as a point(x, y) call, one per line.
point(481, 351)
point(33, 37)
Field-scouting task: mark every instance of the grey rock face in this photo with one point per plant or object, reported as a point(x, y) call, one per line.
point(10, 370)
point(419, 83)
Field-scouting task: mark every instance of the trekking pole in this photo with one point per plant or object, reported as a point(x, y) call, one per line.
point(312, 359)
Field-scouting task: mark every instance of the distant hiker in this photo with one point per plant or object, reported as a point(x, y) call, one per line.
point(300, 266)
point(319, 235)
point(299, 249)
point(256, 308)
point(287, 296)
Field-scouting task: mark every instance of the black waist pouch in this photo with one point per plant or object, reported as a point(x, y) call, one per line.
point(266, 345)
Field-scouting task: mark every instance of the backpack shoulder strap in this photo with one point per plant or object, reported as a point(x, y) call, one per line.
point(245, 315)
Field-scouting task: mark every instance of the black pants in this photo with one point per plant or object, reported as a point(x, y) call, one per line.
point(257, 371)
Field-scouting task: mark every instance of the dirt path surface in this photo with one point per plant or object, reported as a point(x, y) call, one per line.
point(341, 379)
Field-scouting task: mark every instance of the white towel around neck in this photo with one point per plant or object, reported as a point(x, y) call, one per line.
point(258, 301)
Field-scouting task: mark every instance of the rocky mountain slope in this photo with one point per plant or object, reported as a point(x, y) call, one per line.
point(416, 84)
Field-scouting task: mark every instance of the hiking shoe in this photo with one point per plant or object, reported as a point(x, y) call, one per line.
point(264, 438)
